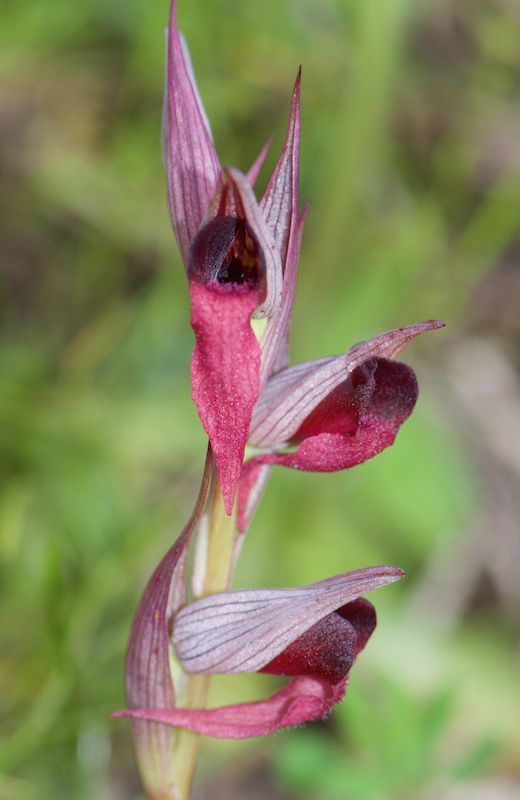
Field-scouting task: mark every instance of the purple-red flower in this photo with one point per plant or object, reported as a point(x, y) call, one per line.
point(332, 413)
point(311, 634)
point(241, 258)
point(236, 252)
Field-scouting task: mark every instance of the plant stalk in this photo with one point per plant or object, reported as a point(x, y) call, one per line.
point(221, 539)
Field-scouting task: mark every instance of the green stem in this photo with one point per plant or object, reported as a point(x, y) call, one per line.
point(221, 539)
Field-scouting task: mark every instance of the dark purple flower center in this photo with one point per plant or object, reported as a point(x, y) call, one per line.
point(225, 252)
point(328, 648)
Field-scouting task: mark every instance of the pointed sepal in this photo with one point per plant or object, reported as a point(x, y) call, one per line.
point(147, 674)
point(192, 165)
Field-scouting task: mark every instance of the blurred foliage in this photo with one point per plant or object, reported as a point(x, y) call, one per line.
point(411, 162)
point(393, 745)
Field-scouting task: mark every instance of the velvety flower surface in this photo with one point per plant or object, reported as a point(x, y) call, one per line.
point(241, 259)
point(312, 634)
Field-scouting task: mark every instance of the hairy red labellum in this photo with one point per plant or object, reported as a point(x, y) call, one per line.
point(328, 649)
point(225, 369)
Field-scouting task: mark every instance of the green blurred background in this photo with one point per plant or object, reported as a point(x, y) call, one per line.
point(410, 159)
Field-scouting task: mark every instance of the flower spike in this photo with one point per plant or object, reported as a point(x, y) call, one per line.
point(241, 260)
point(280, 206)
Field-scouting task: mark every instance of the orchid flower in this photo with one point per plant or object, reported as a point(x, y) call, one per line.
point(241, 260)
point(312, 634)
point(332, 413)
point(236, 252)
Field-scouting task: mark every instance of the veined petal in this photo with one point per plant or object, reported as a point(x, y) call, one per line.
point(280, 200)
point(322, 675)
point(280, 207)
point(148, 678)
point(192, 164)
point(268, 245)
point(242, 631)
point(326, 650)
point(345, 430)
point(225, 369)
point(293, 393)
point(302, 700)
